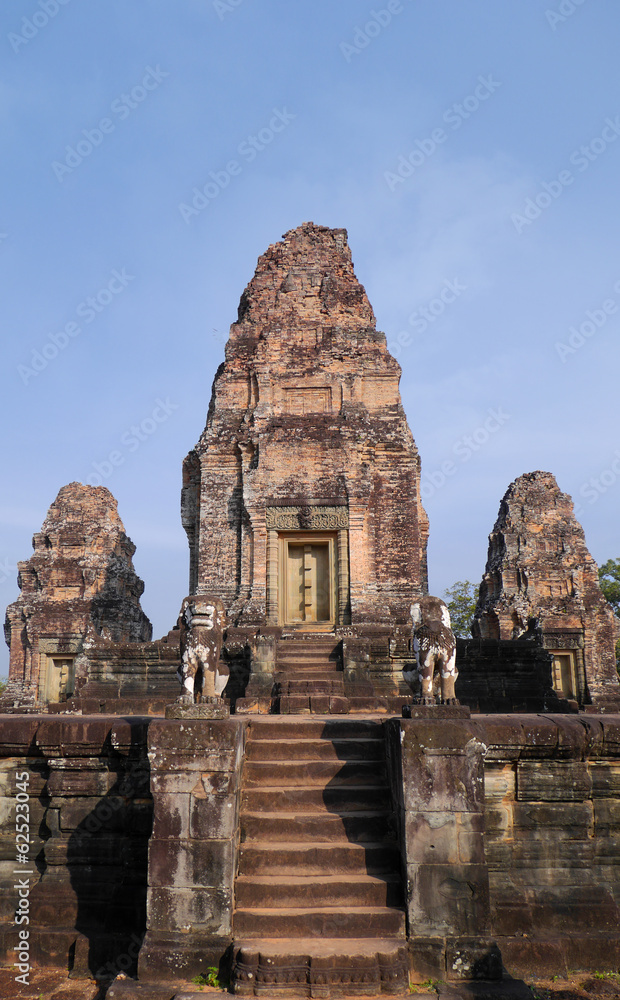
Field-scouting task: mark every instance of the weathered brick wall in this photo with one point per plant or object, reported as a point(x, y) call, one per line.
point(306, 411)
point(90, 821)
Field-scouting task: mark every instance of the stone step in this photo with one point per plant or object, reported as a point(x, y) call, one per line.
point(334, 922)
point(313, 661)
point(304, 704)
point(278, 727)
point(310, 687)
point(309, 891)
point(317, 800)
point(292, 858)
point(343, 704)
point(319, 967)
point(253, 706)
point(383, 705)
point(308, 828)
point(288, 665)
point(318, 643)
point(315, 749)
point(313, 772)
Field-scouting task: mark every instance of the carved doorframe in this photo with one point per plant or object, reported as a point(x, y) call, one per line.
point(311, 519)
point(320, 538)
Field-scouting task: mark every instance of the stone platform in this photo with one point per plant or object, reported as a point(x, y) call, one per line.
point(443, 835)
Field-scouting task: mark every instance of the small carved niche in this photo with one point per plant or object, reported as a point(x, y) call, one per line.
point(308, 399)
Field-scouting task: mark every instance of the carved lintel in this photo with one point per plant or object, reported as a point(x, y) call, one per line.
point(306, 518)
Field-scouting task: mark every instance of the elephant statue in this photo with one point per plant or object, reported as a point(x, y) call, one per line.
point(434, 645)
point(202, 675)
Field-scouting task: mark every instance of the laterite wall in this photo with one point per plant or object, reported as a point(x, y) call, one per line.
point(510, 833)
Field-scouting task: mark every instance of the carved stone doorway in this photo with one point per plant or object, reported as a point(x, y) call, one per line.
point(308, 579)
point(58, 680)
point(322, 572)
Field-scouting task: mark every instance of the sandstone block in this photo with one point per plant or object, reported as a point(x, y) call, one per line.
point(212, 817)
point(206, 910)
point(171, 817)
point(553, 781)
point(191, 863)
point(473, 958)
point(432, 838)
point(166, 956)
point(448, 899)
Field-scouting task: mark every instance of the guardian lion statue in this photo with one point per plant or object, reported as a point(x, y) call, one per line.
point(434, 645)
point(201, 673)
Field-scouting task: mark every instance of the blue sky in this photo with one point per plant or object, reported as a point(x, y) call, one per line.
point(472, 150)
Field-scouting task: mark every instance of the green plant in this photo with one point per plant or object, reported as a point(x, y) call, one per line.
point(609, 580)
point(428, 986)
point(461, 599)
point(209, 978)
point(607, 975)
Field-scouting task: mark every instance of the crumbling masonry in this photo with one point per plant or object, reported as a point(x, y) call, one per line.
point(297, 813)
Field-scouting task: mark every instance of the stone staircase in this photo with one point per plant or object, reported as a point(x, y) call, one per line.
point(318, 894)
point(309, 679)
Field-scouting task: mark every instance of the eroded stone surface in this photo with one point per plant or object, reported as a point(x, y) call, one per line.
point(77, 587)
point(306, 430)
point(540, 575)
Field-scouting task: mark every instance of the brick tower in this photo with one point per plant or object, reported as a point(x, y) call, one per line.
point(301, 499)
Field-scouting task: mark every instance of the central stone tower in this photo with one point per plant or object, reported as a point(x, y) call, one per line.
point(301, 499)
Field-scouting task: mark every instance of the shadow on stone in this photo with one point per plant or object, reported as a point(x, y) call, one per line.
point(107, 858)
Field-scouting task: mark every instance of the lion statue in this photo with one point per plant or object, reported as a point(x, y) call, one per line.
point(434, 645)
point(201, 673)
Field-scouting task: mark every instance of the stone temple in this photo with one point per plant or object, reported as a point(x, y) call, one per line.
point(301, 500)
point(296, 785)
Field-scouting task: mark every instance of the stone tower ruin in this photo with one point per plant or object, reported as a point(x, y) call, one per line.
point(78, 586)
point(301, 500)
point(540, 577)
